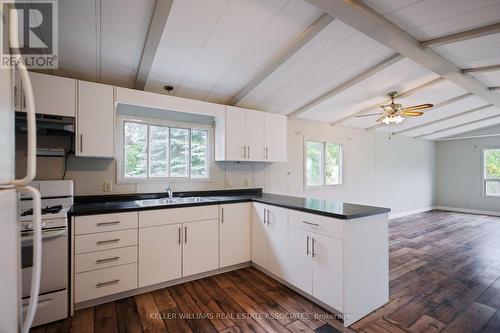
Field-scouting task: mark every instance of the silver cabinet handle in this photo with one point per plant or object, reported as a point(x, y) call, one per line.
point(307, 246)
point(310, 223)
point(109, 241)
point(107, 283)
point(248, 151)
point(15, 95)
point(244, 151)
point(179, 235)
point(103, 224)
point(222, 215)
point(265, 153)
point(265, 216)
point(185, 234)
point(105, 260)
point(313, 242)
point(81, 143)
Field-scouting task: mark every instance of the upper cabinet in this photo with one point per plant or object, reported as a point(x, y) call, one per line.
point(249, 135)
point(54, 95)
point(95, 120)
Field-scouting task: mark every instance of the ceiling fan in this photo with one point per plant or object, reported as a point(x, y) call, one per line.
point(395, 113)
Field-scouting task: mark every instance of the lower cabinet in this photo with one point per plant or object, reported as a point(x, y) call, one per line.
point(160, 254)
point(300, 263)
point(235, 230)
point(269, 238)
point(201, 247)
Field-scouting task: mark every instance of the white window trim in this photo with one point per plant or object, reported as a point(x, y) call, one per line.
point(341, 171)
point(121, 179)
point(483, 175)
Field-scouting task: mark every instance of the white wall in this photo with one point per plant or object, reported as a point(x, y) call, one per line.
point(459, 174)
point(395, 172)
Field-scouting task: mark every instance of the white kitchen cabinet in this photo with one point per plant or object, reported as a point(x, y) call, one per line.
point(95, 120)
point(235, 135)
point(160, 254)
point(54, 95)
point(255, 135)
point(269, 238)
point(259, 235)
point(275, 137)
point(201, 247)
point(299, 260)
point(235, 230)
point(327, 284)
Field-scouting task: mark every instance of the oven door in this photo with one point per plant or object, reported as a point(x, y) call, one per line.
point(54, 260)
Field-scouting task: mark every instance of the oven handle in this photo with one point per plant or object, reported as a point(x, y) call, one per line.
point(27, 238)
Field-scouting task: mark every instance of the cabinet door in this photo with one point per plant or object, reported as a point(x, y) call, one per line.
point(299, 268)
point(201, 247)
point(259, 235)
point(275, 128)
point(327, 270)
point(159, 254)
point(255, 135)
point(235, 134)
point(95, 135)
point(53, 95)
point(235, 229)
point(277, 228)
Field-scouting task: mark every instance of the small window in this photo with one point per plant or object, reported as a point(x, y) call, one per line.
point(323, 163)
point(155, 151)
point(491, 174)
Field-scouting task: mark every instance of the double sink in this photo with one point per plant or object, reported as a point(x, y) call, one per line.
point(172, 201)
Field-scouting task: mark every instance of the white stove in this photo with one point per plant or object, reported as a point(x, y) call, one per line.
point(57, 199)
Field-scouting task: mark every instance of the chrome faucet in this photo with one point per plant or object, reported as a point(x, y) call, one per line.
point(169, 191)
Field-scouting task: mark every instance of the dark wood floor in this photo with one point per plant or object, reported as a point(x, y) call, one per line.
point(444, 277)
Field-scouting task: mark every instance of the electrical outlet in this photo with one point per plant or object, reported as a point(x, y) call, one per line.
point(107, 186)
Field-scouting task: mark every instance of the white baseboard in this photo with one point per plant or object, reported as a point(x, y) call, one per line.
point(466, 210)
point(411, 212)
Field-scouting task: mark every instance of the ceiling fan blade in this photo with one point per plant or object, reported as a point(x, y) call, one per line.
point(369, 114)
point(380, 118)
point(419, 107)
point(408, 113)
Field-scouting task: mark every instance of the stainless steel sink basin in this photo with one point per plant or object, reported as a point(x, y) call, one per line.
point(171, 201)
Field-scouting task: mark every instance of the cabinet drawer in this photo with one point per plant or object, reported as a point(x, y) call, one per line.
point(103, 282)
point(105, 241)
point(323, 225)
point(106, 222)
point(104, 259)
point(152, 218)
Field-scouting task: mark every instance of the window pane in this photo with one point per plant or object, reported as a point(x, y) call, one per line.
point(179, 152)
point(135, 147)
point(332, 164)
point(199, 153)
point(313, 163)
point(493, 188)
point(492, 163)
point(158, 151)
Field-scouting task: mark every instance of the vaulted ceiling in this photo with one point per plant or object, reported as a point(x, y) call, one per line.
point(317, 59)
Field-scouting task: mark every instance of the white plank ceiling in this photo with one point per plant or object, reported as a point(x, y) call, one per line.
point(211, 50)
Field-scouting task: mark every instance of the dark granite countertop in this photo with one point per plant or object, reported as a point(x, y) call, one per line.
point(91, 205)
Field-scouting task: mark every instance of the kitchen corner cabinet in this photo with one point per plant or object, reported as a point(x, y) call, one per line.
point(249, 135)
point(54, 95)
point(95, 120)
point(235, 230)
point(269, 238)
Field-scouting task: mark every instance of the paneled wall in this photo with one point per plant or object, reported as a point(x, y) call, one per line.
point(395, 172)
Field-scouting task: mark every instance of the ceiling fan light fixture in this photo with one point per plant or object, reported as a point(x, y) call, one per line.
point(392, 119)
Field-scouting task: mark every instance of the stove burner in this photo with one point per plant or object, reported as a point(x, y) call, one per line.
point(47, 210)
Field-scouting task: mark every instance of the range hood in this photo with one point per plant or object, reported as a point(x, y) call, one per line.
point(47, 124)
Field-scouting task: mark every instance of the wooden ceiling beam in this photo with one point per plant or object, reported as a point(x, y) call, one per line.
point(463, 36)
point(483, 69)
point(458, 126)
point(348, 84)
point(315, 28)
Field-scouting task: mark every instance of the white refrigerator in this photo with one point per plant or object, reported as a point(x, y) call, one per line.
point(10, 245)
